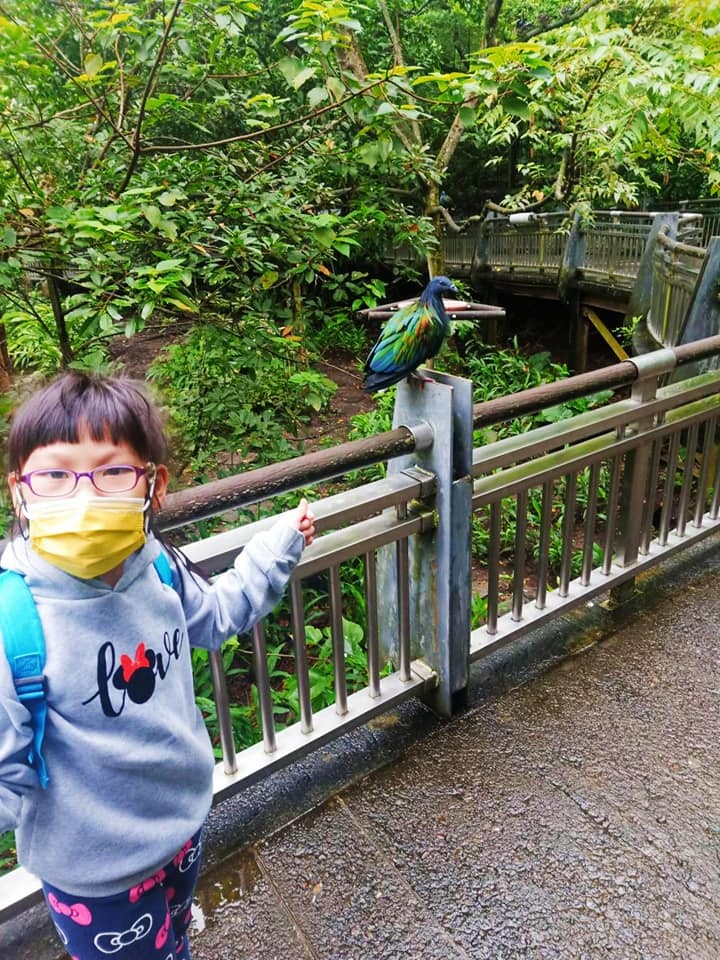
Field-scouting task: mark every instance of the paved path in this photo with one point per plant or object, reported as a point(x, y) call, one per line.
point(575, 816)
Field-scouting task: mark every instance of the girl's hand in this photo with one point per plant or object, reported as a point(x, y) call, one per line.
point(305, 521)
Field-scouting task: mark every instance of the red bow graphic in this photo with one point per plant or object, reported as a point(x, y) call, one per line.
point(130, 666)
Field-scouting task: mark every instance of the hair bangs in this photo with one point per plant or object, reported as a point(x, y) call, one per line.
point(76, 402)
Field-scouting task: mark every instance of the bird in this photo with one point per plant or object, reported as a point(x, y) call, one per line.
point(410, 337)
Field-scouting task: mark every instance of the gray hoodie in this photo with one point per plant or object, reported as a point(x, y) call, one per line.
point(129, 758)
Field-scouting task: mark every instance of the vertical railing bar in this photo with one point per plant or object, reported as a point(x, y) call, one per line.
point(521, 510)
point(715, 502)
point(544, 545)
point(568, 528)
point(338, 641)
point(687, 481)
point(611, 515)
point(590, 519)
point(222, 707)
point(403, 579)
point(668, 490)
point(494, 567)
point(371, 608)
point(262, 681)
point(702, 486)
point(650, 493)
point(297, 608)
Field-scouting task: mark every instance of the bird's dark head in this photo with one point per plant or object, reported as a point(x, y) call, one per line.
point(440, 286)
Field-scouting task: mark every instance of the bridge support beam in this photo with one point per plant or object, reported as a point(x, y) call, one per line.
point(439, 560)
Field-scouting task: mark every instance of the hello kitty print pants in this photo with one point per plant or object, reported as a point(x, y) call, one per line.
point(147, 922)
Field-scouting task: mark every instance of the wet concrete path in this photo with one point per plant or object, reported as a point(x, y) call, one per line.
point(574, 816)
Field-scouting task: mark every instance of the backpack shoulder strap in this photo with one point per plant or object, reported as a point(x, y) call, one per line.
point(24, 643)
point(164, 569)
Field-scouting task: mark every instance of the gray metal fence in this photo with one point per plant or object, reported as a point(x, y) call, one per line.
point(676, 267)
point(563, 512)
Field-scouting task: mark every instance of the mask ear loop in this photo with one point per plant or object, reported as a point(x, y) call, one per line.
point(21, 510)
point(151, 475)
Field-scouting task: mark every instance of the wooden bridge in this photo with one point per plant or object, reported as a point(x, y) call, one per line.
point(657, 269)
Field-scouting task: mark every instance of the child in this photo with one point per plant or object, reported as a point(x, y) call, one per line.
point(115, 836)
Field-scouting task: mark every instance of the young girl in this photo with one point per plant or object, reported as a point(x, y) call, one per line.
point(115, 835)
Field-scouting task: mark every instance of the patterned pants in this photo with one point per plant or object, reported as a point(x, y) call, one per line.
point(146, 922)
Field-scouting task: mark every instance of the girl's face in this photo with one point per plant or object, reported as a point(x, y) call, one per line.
point(85, 455)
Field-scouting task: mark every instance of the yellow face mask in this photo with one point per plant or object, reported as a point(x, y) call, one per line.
point(87, 536)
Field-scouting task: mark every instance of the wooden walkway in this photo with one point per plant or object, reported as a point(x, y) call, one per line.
point(658, 270)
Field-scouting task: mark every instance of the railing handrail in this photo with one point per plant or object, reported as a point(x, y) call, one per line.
point(210, 499)
point(607, 378)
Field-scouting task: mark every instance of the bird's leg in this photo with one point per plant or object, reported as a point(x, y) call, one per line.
point(422, 380)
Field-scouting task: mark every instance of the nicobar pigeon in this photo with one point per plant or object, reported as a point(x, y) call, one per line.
point(410, 337)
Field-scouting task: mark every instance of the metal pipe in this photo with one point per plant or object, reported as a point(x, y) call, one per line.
point(612, 377)
point(301, 667)
point(262, 682)
point(589, 527)
point(338, 642)
point(687, 480)
point(668, 490)
point(222, 707)
point(708, 446)
point(493, 567)
point(209, 499)
point(403, 579)
point(650, 494)
point(373, 653)
point(518, 598)
point(543, 546)
point(567, 534)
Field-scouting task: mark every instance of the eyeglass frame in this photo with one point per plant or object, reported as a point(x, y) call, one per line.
point(147, 471)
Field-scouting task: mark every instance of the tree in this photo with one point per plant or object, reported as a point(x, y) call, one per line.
point(146, 170)
point(586, 106)
point(172, 160)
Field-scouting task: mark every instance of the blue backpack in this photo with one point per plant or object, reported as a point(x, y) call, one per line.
point(24, 643)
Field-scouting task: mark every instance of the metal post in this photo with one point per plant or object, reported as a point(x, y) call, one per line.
point(222, 705)
point(439, 560)
point(637, 464)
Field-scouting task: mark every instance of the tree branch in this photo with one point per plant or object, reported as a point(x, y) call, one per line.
point(149, 86)
point(561, 21)
point(259, 134)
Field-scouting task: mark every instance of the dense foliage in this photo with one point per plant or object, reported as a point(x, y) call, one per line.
point(183, 162)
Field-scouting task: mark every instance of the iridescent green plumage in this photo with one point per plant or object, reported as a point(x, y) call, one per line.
point(410, 337)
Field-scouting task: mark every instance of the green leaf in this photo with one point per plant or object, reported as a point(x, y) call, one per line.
point(152, 214)
point(93, 64)
point(302, 77)
point(516, 107)
point(268, 279)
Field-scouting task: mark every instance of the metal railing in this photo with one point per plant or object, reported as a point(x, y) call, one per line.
point(528, 247)
point(614, 244)
point(676, 267)
point(614, 490)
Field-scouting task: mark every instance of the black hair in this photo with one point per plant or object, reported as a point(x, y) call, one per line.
point(76, 401)
point(103, 406)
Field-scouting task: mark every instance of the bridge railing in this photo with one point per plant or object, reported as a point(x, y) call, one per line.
point(560, 512)
point(609, 493)
point(613, 247)
point(530, 247)
point(676, 267)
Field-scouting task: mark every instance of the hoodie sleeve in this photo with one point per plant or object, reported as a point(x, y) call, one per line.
point(238, 598)
point(16, 776)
